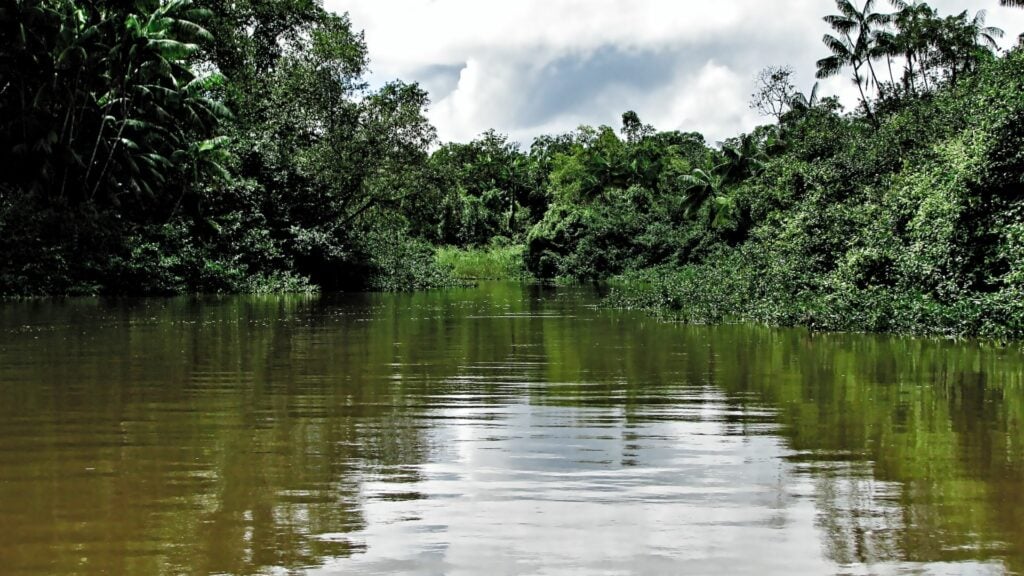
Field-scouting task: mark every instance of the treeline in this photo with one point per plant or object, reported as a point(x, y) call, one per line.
point(905, 215)
point(214, 145)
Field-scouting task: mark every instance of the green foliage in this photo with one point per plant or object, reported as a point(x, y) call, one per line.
point(497, 261)
point(101, 106)
point(618, 205)
point(913, 226)
point(124, 172)
point(482, 189)
point(402, 264)
point(217, 146)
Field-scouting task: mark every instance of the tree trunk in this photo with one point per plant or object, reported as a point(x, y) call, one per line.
point(892, 79)
point(871, 68)
point(863, 97)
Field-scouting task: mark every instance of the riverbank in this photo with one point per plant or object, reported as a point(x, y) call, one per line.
point(731, 292)
point(496, 262)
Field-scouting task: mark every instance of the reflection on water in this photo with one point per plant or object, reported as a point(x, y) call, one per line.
point(503, 430)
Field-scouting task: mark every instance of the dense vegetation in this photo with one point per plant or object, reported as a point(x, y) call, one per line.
point(905, 215)
point(206, 145)
point(170, 146)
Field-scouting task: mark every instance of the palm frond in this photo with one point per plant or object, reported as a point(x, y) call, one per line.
point(840, 24)
point(840, 48)
point(828, 67)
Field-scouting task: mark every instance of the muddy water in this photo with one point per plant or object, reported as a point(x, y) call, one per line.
point(508, 429)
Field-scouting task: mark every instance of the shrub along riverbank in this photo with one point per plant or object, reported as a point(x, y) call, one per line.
point(495, 262)
point(204, 146)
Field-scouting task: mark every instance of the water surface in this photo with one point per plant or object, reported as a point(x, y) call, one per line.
point(509, 429)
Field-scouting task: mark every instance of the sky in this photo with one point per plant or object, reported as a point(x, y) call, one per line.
point(532, 67)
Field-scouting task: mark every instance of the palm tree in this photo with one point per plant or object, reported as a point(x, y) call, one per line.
point(854, 44)
point(911, 41)
point(886, 45)
point(861, 25)
point(707, 186)
point(743, 158)
point(102, 96)
point(801, 101)
point(961, 41)
point(158, 104)
point(844, 53)
point(986, 37)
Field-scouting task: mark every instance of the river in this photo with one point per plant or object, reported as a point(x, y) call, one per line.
point(506, 429)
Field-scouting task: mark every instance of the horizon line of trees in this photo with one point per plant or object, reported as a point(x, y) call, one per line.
point(905, 215)
point(215, 145)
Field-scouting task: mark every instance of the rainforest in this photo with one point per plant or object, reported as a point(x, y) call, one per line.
point(264, 312)
point(214, 146)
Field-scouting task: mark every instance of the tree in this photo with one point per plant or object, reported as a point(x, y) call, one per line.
point(854, 45)
point(774, 90)
point(913, 21)
point(338, 163)
point(102, 102)
point(985, 37)
point(863, 25)
point(706, 186)
point(111, 125)
point(491, 179)
point(885, 45)
point(844, 53)
point(801, 101)
point(960, 42)
point(743, 158)
point(633, 129)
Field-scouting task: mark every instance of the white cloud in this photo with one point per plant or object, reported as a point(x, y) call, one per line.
point(527, 67)
point(713, 101)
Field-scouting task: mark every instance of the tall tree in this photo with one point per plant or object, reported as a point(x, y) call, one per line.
point(961, 41)
point(886, 46)
point(744, 158)
point(861, 26)
point(331, 163)
point(985, 37)
point(912, 40)
point(707, 187)
point(801, 101)
point(844, 53)
point(633, 129)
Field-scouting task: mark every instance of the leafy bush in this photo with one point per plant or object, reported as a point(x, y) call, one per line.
point(403, 264)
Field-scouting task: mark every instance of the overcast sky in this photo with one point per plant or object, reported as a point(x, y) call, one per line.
point(530, 67)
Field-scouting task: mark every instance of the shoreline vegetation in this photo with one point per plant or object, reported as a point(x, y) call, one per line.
point(194, 146)
point(497, 261)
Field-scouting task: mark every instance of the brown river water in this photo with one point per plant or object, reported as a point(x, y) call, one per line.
point(507, 429)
